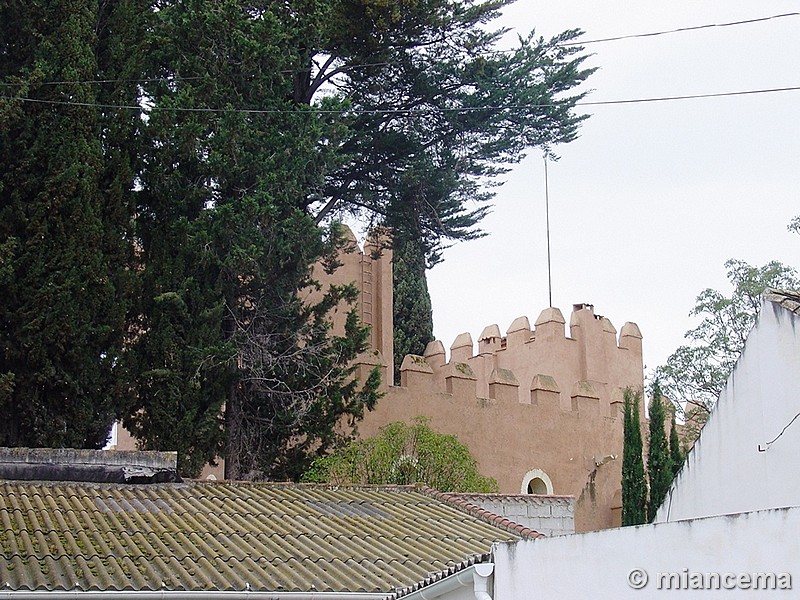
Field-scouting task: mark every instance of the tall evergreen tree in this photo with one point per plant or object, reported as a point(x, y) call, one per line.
point(64, 215)
point(226, 247)
point(437, 111)
point(675, 451)
point(423, 141)
point(413, 316)
point(416, 170)
point(634, 485)
point(659, 464)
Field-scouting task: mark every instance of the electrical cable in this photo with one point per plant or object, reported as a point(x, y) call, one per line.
point(681, 30)
point(768, 444)
point(397, 111)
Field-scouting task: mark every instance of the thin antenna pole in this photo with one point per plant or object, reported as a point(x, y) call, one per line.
point(547, 215)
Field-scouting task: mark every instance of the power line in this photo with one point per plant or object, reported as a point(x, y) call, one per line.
point(689, 96)
point(397, 111)
point(768, 444)
point(88, 81)
point(681, 29)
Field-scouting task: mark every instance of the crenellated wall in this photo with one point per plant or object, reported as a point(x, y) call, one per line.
point(540, 365)
point(543, 400)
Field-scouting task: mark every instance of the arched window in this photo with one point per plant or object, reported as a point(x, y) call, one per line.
point(536, 481)
point(537, 486)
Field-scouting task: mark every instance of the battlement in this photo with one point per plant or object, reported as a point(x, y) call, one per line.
point(539, 407)
point(541, 366)
point(585, 366)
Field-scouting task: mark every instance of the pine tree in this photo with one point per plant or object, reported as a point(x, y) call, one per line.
point(659, 464)
point(634, 486)
point(65, 209)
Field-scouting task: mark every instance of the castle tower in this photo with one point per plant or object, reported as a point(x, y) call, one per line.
point(370, 270)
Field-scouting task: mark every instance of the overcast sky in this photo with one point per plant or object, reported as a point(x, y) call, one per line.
point(652, 198)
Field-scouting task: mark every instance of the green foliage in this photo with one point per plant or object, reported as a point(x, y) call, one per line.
point(297, 395)
point(437, 111)
point(695, 374)
point(413, 316)
point(404, 454)
point(675, 451)
point(65, 208)
point(226, 248)
point(180, 387)
point(659, 464)
point(634, 486)
point(151, 260)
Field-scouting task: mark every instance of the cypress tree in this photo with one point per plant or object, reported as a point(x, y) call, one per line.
point(659, 464)
point(675, 452)
point(227, 245)
point(634, 486)
point(422, 145)
point(413, 316)
point(63, 225)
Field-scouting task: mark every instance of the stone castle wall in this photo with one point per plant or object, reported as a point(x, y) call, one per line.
point(536, 407)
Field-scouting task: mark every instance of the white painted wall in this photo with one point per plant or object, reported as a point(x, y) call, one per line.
point(598, 565)
point(725, 472)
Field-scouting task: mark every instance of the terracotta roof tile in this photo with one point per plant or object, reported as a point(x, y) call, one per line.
point(226, 536)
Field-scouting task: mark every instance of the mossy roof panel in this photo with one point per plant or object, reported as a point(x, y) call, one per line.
point(233, 536)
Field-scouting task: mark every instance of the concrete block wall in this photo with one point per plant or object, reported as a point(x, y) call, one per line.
point(550, 515)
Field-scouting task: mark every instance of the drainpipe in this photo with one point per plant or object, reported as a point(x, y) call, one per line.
point(480, 580)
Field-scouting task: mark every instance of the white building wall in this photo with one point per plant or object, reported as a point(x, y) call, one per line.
point(732, 467)
point(605, 565)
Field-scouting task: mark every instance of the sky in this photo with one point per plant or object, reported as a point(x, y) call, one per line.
point(652, 198)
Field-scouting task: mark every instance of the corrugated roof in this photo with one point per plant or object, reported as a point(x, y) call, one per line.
point(224, 536)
